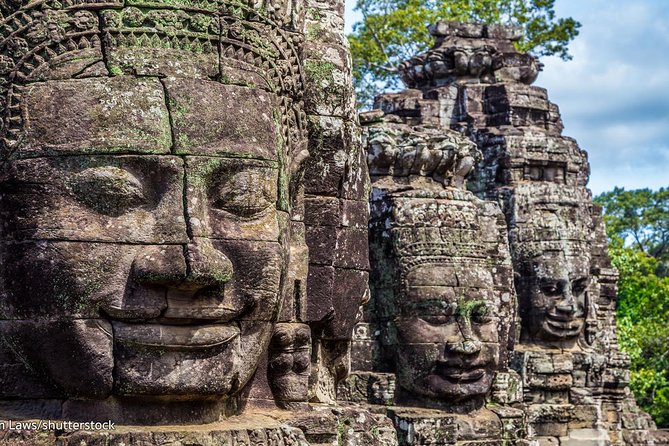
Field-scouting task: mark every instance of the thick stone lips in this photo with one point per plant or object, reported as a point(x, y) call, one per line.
point(470, 373)
point(465, 375)
point(175, 337)
point(566, 325)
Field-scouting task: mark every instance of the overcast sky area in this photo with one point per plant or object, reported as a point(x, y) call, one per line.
point(614, 94)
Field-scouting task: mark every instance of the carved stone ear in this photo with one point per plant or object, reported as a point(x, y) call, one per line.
point(289, 363)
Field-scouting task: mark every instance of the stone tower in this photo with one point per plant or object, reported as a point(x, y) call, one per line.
point(574, 378)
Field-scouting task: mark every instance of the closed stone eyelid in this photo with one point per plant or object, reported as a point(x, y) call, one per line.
point(107, 189)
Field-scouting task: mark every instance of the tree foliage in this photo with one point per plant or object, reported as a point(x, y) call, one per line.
point(635, 222)
point(394, 30)
point(640, 218)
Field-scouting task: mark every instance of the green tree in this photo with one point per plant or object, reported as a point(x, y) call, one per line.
point(635, 222)
point(394, 30)
point(639, 218)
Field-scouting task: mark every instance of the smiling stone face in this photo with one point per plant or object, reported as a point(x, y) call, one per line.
point(554, 297)
point(443, 290)
point(448, 339)
point(146, 202)
point(551, 245)
point(165, 269)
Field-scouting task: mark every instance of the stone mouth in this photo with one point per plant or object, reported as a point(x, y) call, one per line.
point(562, 317)
point(564, 323)
point(463, 374)
point(563, 329)
point(175, 337)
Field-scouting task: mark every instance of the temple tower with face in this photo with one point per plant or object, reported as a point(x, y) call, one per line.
point(574, 377)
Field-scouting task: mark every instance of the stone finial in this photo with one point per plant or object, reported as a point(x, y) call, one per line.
point(470, 53)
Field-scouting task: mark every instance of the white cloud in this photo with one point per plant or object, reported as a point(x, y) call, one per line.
point(614, 94)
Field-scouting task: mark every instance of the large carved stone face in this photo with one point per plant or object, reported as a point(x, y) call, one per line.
point(447, 331)
point(143, 235)
point(553, 299)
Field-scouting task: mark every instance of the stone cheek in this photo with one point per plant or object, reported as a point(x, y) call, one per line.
point(81, 363)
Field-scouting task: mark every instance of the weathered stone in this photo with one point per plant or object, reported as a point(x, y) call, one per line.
point(176, 43)
point(222, 120)
point(368, 387)
point(290, 361)
point(239, 432)
point(155, 235)
point(98, 115)
point(53, 352)
point(320, 288)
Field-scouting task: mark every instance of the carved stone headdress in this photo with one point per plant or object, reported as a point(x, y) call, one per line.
point(253, 43)
point(550, 217)
point(401, 151)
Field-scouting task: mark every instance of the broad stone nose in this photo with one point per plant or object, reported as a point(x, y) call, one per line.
point(206, 265)
point(567, 303)
point(468, 343)
point(161, 265)
point(193, 266)
point(468, 347)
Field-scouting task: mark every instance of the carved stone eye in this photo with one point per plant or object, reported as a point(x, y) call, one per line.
point(108, 190)
point(579, 286)
point(551, 289)
point(482, 314)
point(247, 194)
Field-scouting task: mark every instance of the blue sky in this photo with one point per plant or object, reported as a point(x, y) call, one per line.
point(614, 93)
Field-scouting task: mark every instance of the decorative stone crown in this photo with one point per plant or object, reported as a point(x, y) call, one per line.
point(402, 151)
point(287, 14)
point(250, 43)
point(467, 52)
point(549, 213)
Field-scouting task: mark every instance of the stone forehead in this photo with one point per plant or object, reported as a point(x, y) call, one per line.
point(48, 41)
point(572, 252)
point(128, 115)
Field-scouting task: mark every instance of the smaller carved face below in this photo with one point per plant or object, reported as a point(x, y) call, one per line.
point(553, 300)
point(447, 332)
point(290, 361)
